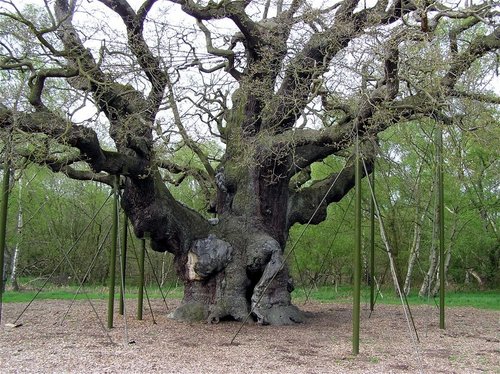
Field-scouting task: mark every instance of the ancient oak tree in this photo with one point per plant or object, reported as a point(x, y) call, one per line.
point(115, 88)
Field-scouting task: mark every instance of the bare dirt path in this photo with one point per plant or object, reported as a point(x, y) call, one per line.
point(470, 344)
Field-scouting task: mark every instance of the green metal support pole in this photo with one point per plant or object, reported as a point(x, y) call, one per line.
point(372, 240)
point(112, 256)
point(3, 226)
point(442, 275)
point(357, 256)
point(141, 279)
point(123, 262)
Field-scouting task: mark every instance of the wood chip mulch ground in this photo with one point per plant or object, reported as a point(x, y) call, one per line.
point(49, 341)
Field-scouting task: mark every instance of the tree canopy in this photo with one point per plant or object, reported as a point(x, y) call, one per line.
point(253, 93)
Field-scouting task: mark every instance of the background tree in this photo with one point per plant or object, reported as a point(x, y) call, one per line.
point(280, 93)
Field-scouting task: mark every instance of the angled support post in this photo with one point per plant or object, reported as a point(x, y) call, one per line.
point(372, 240)
point(357, 255)
point(123, 263)
point(3, 226)
point(442, 275)
point(140, 298)
point(112, 255)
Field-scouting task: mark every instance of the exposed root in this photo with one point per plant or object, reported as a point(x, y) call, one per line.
point(279, 315)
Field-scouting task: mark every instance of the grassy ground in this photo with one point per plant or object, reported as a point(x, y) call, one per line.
point(92, 292)
point(489, 299)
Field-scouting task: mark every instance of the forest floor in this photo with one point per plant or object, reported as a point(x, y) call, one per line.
point(470, 343)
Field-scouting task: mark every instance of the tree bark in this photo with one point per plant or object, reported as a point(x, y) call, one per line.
point(414, 253)
point(417, 236)
point(237, 268)
point(430, 276)
point(451, 243)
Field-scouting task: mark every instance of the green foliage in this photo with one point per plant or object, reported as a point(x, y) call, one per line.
point(55, 213)
point(63, 216)
point(187, 186)
point(322, 253)
point(57, 209)
point(405, 194)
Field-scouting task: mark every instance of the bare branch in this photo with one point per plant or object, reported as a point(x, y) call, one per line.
point(228, 54)
point(293, 94)
point(204, 180)
point(80, 137)
point(37, 82)
point(462, 61)
point(317, 197)
point(148, 62)
point(84, 175)
point(39, 34)
point(189, 142)
point(234, 10)
point(485, 98)
point(75, 52)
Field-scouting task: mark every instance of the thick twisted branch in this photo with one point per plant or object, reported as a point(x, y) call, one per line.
point(316, 198)
point(80, 137)
point(149, 63)
point(463, 60)
point(228, 54)
point(234, 10)
point(293, 95)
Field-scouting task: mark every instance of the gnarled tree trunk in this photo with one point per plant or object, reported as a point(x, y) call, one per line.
point(233, 265)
